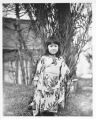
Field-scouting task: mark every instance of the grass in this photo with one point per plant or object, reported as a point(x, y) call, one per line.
point(16, 99)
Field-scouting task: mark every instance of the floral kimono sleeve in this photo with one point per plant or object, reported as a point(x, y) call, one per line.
point(38, 70)
point(64, 69)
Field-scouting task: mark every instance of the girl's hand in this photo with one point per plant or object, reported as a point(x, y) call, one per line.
point(67, 72)
point(35, 83)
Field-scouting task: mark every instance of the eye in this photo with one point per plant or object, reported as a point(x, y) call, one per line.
point(56, 45)
point(51, 45)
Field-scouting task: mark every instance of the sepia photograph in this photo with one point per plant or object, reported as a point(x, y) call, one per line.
point(47, 59)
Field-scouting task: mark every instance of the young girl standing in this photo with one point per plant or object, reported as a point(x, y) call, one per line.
point(49, 80)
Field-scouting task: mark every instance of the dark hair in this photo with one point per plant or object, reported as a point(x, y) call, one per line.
point(50, 41)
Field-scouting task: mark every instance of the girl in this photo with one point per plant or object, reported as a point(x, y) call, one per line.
point(49, 80)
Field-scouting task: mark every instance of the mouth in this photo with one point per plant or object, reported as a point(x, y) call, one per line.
point(54, 51)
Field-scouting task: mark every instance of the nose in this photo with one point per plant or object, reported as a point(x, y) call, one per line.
point(53, 49)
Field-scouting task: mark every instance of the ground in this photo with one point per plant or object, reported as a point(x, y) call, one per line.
point(16, 99)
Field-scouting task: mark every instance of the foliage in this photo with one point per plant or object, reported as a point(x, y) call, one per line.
point(68, 22)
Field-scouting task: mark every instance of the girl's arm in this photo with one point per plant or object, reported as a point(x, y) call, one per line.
point(38, 72)
point(64, 69)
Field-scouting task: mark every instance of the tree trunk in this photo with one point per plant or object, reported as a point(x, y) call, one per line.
point(22, 67)
point(16, 73)
point(26, 71)
point(22, 45)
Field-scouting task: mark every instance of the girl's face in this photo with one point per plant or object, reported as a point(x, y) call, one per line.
point(53, 48)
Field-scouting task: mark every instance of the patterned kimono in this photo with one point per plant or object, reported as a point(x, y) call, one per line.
point(50, 76)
